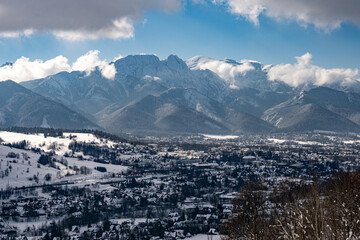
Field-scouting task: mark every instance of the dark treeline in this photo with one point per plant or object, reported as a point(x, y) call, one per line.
point(101, 155)
point(329, 210)
point(19, 145)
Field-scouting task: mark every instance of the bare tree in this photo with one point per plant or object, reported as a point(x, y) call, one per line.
point(249, 220)
point(343, 205)
point(327, 212)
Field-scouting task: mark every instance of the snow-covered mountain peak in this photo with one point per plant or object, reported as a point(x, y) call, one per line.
point(139, 66)
point(176, 63)
point(139, 59)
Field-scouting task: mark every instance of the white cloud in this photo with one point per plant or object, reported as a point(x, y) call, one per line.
point(87, 62)
point(24, 69)
point(325, 14)
point(225, 70)
point(90, 61)
point(78, 19)
point(108, 71)
point(304, 73)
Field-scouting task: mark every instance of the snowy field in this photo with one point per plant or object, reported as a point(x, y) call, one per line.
point(205, 237)
point(47, 143)
point(19, 171)
point(220, 137)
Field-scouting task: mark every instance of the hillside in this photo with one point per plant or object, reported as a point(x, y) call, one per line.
point(21, 107)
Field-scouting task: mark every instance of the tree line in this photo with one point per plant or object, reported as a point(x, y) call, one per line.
point(328, 210)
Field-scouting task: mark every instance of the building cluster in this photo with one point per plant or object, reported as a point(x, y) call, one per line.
point(171, 190)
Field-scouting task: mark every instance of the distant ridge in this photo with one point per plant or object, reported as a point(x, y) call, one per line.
point(317, 109)
point(23, 108)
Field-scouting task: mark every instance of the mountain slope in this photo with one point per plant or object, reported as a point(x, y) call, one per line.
point(182, 110)
point(346, 104)
point(311, 111)
point(21, 107)
point(82, 92)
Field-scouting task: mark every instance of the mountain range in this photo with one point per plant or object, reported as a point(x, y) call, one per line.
point(149, 95)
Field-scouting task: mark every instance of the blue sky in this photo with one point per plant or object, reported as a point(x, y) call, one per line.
point(208, 30)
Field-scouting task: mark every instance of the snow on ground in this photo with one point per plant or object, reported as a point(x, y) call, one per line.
point(45, 143)
point(135, 220)
point(21, 169)
point(205, 237)
point(308, 143)
point(352, 142)
point(276, 140)
point(220, 137)
point(38, 223)
point(95, 174)
point(17, 171)
point(280, 141)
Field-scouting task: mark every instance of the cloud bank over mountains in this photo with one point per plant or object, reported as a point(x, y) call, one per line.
point(77, 19)
point(325, 14)
point(225, 69)
point(303, 72)
point(24, 69)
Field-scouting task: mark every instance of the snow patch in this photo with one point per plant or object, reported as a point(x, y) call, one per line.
point(60, 145)
point(220, 137)
point(44, 123)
